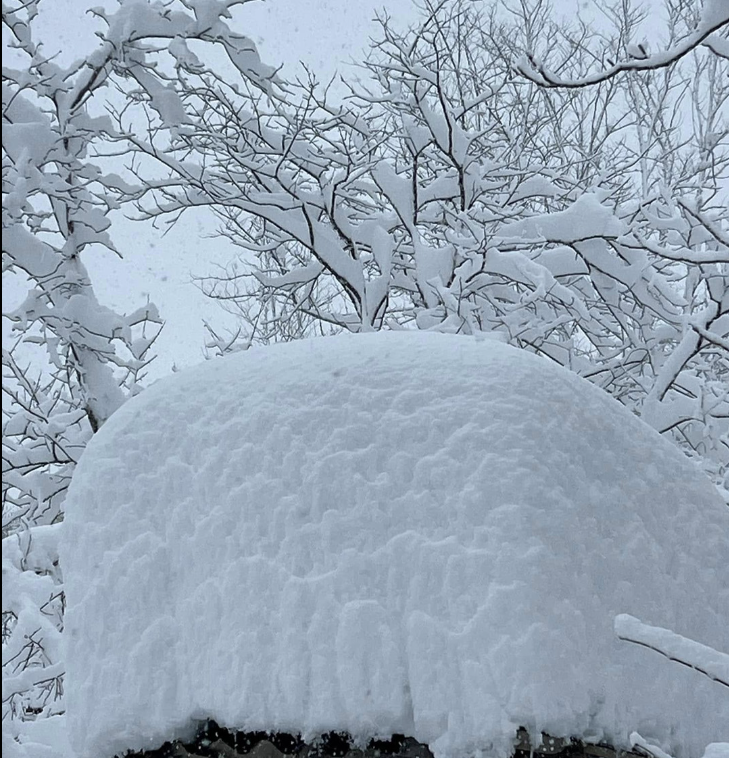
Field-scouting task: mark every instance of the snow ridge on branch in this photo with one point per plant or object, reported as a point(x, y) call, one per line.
point(707, 661)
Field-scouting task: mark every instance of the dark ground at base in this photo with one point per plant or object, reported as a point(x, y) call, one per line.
point(213, 741)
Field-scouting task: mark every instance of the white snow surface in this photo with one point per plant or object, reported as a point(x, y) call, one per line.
point(390, 533)
point(45, 738)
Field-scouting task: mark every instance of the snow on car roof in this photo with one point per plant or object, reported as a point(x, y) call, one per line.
point(409, 533)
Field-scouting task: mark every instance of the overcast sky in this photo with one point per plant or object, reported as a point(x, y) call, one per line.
point(322, 33)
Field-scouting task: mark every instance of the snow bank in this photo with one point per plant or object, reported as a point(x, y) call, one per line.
point(404, 532)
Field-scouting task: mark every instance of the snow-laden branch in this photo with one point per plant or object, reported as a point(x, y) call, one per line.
point(32, 607)
point(701, 658)
point(708, 32)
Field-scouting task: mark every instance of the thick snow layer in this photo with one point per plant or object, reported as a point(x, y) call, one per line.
point(403, 532)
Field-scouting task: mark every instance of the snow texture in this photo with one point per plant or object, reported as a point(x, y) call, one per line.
point(44, 738)
point(404, 532)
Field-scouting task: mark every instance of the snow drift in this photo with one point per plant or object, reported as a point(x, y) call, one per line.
point(402, 532)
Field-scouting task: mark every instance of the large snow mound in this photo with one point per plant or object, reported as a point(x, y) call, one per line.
point(394, 533)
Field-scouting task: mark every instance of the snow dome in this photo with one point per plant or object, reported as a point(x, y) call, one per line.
point(394, 533)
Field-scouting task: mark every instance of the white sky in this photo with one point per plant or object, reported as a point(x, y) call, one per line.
point(326, 35)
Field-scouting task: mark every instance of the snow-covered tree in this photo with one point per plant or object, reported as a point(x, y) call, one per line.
point(70, 361)
point(56, 203)
point(446, 191)
point(678, 219)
